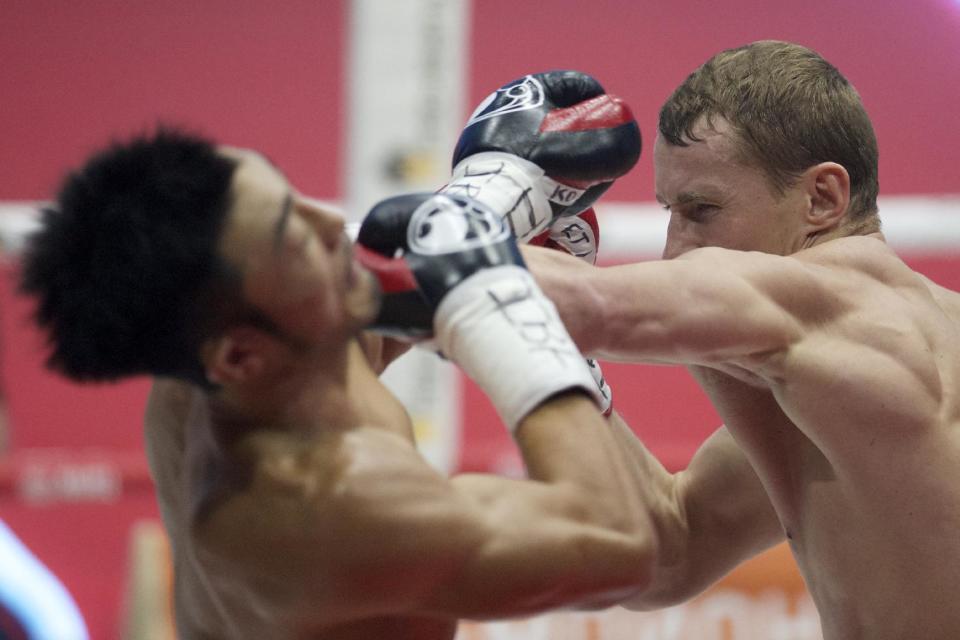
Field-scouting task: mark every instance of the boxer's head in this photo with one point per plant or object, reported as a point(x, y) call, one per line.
point(785, 115)
point(149, 255)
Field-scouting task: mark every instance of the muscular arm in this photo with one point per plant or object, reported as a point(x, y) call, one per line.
point(710, 307)
point(384, 534)
point(708, 518)
point(727, 310)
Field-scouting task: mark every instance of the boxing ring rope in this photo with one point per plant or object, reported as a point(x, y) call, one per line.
point(762, 599)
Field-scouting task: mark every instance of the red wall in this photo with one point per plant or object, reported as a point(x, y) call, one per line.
point(270, 76)
point(902, 55)
point(77, 74)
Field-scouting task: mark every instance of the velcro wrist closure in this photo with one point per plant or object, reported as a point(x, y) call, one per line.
point(507, 336)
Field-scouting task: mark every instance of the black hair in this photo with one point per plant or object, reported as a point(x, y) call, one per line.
point(125, 268)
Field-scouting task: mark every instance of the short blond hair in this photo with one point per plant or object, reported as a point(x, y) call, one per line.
point(791, 109)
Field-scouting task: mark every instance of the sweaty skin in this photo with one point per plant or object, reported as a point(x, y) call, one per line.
point(190, 468)
point(296, 502)
point(350, 534)
point(836, 369)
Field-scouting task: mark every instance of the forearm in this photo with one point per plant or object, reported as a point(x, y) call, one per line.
point(566, 442)
point(568, 282)
point(575, 534)
point(609, 313)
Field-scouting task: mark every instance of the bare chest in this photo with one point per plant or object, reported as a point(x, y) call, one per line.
point(780, 454)
point(871, 526)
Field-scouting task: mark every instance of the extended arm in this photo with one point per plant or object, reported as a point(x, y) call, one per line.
point(709, 307)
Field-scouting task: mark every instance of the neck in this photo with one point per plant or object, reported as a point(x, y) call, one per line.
point(869, 226)
point(306, 391)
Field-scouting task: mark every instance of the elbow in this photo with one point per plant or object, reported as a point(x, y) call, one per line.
point(652, 599)
point(664, 591)
point(615, 554)
point(623, 540)
point(642, 552)
point(647, 600)
point(629, 565)
point(614, 570)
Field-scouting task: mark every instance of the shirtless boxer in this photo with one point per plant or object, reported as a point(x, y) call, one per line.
point(296, 502)
point(835, 367)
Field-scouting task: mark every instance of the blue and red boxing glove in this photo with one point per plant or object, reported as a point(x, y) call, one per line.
point(544, 146)
point(486, 312)
point(398, 242)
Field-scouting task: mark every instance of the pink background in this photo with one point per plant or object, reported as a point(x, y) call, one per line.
point(76, 74)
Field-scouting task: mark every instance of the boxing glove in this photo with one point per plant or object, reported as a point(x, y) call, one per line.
point(543, 146)
point(488, 314)
point(404, 314)
point(579, 236)
point(396, 241)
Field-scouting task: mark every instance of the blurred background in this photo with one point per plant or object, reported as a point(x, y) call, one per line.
point(357, 100)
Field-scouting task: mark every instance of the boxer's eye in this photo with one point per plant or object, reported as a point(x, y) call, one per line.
point(699, 211)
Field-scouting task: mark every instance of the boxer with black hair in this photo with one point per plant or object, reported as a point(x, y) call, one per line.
point(288, 478)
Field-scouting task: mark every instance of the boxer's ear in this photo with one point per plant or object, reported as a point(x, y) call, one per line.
point(827, 189)
point(240, 355)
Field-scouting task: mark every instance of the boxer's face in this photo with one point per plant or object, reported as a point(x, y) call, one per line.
point(717, 201)
point(296, 262)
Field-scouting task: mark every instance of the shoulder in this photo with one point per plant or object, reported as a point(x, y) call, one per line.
point(854, 253)
point(867, 272)
point(332, 474)
point(327, 503)
point(868, 254)
point(840, 270)
point(171, 406)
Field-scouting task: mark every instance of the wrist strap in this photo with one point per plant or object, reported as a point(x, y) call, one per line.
point(507, 336)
